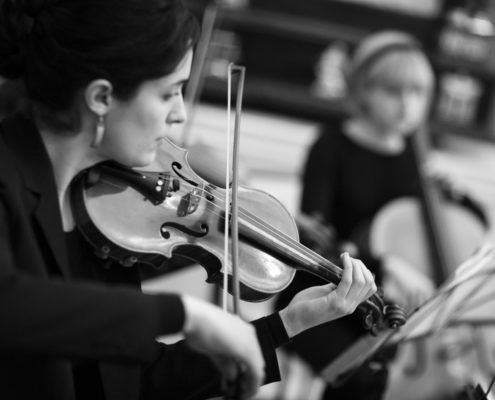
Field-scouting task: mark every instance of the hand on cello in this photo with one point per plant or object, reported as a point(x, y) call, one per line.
point(404, 284)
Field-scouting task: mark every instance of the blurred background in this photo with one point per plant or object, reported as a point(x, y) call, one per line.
point(295, 54)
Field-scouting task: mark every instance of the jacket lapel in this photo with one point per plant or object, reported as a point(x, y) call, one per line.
point(51, 225)
point(23, 138)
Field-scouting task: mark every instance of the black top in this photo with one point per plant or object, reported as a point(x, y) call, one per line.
point(87, 379)
point(54, 319)
point(86, 373)
point(349, 183)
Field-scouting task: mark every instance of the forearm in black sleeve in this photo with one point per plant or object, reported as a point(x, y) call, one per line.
point(181, 373)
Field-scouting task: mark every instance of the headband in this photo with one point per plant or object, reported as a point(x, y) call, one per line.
point(376, 46)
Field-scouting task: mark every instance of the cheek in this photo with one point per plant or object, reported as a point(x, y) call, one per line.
point(384, 108)
point(140, 120)
point(418, 108)
point(130, 138)
point(140, 125)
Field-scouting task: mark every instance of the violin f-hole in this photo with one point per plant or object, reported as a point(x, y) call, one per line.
point(166, 233)
point(176, 167)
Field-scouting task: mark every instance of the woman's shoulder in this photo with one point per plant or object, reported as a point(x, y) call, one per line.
point(13, 141)
point(5, 154)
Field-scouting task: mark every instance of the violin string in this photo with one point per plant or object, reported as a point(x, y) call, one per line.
point(267, 228)
point(256, 221)
point(248, 216)
point(304, 252)
point(245, 213)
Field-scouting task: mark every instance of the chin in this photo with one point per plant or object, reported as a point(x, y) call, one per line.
point(145, 162)
point(151, 158)
point(142, 160)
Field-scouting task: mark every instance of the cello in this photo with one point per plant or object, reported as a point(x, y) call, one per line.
point(435, 233)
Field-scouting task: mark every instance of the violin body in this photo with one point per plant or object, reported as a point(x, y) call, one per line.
point(132, 216)
point(125, 225)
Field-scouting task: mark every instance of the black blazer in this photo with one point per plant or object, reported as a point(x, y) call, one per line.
point(48, 320)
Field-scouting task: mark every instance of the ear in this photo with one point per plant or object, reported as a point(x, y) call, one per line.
point(98, 96)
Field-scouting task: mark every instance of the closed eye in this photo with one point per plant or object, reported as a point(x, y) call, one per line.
point(169, 96)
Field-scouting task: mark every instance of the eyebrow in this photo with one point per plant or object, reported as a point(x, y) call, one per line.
point(181, 82)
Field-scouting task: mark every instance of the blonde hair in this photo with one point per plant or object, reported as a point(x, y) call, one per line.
point(389, 58)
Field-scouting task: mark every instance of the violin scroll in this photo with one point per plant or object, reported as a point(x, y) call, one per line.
point(378, 316)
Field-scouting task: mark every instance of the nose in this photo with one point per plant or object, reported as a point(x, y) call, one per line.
point(410, 95)
point(177, 114)
point(406, 100)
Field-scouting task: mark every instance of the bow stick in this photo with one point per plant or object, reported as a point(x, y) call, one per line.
point(198, 73)
point(231, 207)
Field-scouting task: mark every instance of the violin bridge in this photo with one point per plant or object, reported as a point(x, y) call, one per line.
point(189, 202)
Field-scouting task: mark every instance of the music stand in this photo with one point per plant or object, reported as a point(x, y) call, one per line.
point(467, 297)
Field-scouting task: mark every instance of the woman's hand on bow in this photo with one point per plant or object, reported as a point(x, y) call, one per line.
point(319, 304)
point(229, 341)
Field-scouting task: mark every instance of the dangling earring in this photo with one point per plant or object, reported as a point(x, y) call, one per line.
point(100, 132)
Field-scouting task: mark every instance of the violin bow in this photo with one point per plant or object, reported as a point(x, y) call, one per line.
point(198, 73)
point(231, 207)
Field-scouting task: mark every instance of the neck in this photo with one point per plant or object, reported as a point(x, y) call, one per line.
point(69, 154)
point(374, 137)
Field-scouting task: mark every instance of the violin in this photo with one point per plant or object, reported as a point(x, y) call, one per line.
point(148, 216)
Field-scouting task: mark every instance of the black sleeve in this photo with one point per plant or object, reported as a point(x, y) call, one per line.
point(52, 317)
point(181, 373)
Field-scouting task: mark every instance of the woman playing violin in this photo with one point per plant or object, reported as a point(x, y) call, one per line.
point(104, 80)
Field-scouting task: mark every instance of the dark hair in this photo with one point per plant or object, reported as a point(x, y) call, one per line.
point(59, 46)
